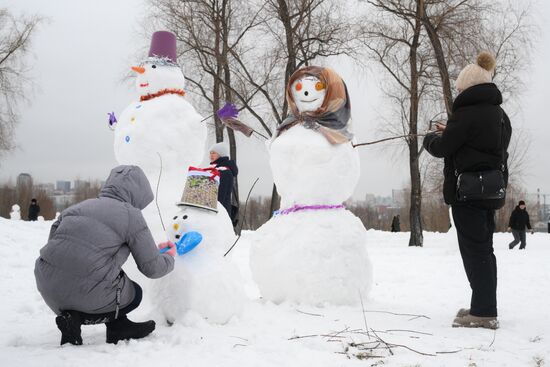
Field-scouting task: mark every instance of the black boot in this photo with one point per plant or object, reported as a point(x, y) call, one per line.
point(69, 325)
point(122, 329)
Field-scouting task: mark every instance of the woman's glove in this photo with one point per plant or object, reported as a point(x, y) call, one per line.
point(172, 251)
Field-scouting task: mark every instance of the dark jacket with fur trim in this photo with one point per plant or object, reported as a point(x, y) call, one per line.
point(473, 139)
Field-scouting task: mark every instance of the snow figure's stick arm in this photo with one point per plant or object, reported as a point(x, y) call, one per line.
point(157, 194)
point(244, 217)
point(388, 139)
point(228, 115)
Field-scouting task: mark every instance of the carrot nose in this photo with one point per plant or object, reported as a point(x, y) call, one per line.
point(176, 226)
point(138, 69)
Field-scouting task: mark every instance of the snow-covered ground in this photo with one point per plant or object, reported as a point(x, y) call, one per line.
point(415, 296)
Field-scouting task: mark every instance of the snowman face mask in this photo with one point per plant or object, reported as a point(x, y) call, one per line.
point(308, 93)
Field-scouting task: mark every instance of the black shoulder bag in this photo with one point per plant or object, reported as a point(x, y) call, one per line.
point(483, 185)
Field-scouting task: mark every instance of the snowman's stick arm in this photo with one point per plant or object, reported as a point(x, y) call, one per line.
point(387, 139)
point(157, 194)
point(239, 110)
point(244, 217)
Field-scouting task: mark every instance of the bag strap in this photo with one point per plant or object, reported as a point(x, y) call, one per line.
point(503, 156)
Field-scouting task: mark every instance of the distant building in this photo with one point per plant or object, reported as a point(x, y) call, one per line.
point(24, 180)
point(370, 199)
point(81, 185)
point(400, 198)
point(47, 188)
point(63, 186)
point(373, 200)
point(62, 201)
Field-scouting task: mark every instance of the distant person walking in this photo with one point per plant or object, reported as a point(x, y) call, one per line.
point(395, 224)
point(219, 158)
point(34, 210)
point(519, 220)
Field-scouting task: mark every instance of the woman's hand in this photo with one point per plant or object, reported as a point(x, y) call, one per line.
point(440, 126)
point(172, 251)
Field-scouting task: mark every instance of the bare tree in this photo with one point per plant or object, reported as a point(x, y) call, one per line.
point(7, 199)
point(396, 42)
point(15, 40)
point(455, 32)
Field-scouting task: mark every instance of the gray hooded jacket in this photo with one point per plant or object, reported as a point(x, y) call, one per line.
point(78, 269)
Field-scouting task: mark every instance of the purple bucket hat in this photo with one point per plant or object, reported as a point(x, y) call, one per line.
point(163, 45)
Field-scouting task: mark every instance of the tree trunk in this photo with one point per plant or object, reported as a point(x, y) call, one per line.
point(416, 238)
point(275, 201)
point(285, 18)
point(441, 62)
point(217, 85)
point(225, 11)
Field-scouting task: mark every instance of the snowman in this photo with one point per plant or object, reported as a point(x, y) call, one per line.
point(15, 213)
point(202, 276)
point(161, 133)
point(313, 250)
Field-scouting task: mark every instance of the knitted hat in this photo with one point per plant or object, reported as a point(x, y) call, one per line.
point(201, 188)
point(221, 149)
point(479, 73)
point(521, 202)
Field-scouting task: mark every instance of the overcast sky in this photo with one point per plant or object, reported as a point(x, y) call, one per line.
point(81, 54)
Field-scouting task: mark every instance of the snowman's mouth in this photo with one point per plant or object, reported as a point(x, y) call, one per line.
point(143, 85)
point(313, 100)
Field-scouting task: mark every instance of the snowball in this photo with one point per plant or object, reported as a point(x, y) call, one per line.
point(312, 257)
point(307, 169)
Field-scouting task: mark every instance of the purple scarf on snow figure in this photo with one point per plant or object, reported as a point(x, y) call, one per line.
point(298, 208)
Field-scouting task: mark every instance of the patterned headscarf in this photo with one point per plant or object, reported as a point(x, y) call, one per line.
point(331, 119)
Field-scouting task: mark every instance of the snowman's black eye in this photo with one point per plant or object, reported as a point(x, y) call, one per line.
point(154, 66)
point(176, 217)
point(184, 217)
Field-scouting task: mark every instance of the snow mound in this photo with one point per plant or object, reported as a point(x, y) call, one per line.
point(312, 258)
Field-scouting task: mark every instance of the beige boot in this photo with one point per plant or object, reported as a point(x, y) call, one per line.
point(463, 312)
point(476, 321)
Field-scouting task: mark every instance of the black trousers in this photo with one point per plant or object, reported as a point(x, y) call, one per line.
point(91, 319)
point(519, 236)
point(475, 228)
